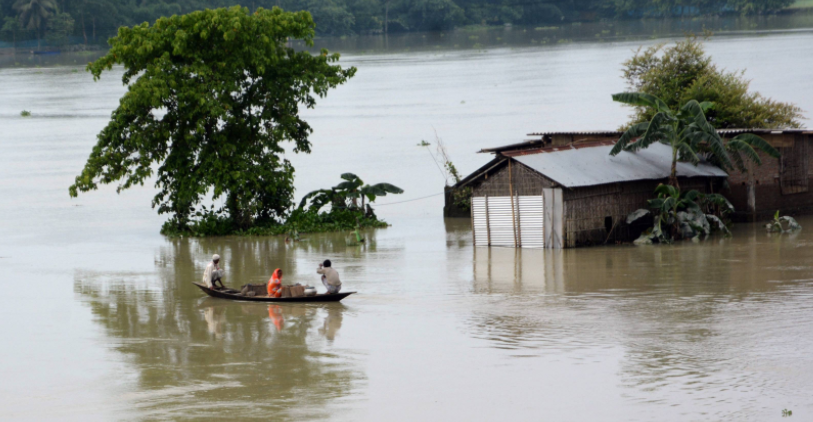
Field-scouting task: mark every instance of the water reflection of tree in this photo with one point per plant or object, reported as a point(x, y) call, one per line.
point(212, 357)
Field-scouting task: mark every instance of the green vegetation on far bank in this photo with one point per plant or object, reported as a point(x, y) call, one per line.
point(94, 21)
point(801, 4)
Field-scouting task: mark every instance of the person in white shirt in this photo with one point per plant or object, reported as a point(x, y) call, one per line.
point(213, 274)
point(330, 277)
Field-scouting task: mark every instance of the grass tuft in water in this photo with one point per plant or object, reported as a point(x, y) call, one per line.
point(25, 113)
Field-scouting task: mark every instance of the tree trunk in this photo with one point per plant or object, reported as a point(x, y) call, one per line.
point(236, 211)
point(752, 197)
point(673, 180)
point(386, 16)
point(84, 31)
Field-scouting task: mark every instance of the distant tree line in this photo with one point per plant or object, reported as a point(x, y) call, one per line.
point(93, 21)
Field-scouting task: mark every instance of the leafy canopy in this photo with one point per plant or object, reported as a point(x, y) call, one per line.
point(211, 96)
point(684, 72)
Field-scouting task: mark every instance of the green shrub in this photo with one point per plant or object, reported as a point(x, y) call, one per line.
point(299, 221)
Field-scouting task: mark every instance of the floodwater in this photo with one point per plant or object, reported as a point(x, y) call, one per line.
point(101, 321)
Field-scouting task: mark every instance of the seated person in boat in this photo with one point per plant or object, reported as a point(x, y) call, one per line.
point(213, 274)
point(330, 277)
point(275, 284)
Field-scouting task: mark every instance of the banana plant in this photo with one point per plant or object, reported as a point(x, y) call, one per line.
point(777, 224)
point(689, 134)
point(354, 189)
point(351, 190)
point(321, 197)
point(677, 215)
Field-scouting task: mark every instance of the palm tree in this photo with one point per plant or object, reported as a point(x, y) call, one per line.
point(34, 13)
point(689, 135)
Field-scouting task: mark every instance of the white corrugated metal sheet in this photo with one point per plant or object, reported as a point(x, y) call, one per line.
point(530, 213)
point(500, 223)
point(495, 221)
point(595, 166)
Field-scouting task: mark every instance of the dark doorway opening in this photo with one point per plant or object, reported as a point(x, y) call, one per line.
point(608, 223)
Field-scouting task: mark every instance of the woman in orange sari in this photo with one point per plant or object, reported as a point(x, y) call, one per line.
point(275, 284)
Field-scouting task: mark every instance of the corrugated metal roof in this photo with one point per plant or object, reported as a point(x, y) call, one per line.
point(734, 131)
point(583, 133)
point(595, 166)
point(611, 133)
point(618, 133)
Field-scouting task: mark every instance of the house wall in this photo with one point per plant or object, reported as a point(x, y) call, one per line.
point(770, 196)
point(526, 182)
point(597, 214)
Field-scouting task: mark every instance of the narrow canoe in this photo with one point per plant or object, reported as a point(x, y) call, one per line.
point(235, 295)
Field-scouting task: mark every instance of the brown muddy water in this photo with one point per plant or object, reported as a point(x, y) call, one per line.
point(101, 321)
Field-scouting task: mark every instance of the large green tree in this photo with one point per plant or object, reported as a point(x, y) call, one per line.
point(684, 72)
point(211, 97)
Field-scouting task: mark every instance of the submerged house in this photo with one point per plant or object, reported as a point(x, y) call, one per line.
point(777, 185)
point(565, 190)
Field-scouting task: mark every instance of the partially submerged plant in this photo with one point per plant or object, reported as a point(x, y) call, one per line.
point(25, 113)
point(686, 215)
point(347, 194)
point(777, 226)
point(424, 143)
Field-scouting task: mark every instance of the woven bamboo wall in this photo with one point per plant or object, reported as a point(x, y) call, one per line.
point(526, 182)
point(587, 209)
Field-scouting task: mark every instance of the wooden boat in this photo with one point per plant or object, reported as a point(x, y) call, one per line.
point(235, 295)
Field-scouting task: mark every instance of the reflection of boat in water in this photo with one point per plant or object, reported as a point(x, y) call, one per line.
point(235, 295)
point(215, 311)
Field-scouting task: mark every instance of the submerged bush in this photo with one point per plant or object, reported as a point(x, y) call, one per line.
point(300, 221)
point(25, 113)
